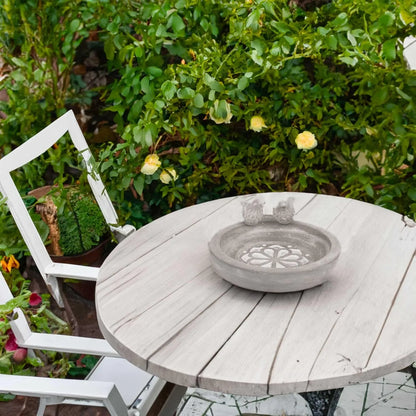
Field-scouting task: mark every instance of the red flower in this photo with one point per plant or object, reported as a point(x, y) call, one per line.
point(11, 344)
point(20, 355)
point(34, 299)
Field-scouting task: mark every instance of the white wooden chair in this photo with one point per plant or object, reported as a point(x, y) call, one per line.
point(29, 150)
point(409, 51)
point(114, 383)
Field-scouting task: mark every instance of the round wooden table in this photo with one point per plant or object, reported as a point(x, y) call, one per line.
point(162, 307)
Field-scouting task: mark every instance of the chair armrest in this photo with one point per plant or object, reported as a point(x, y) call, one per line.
point(69, 343)
point(72, 271)
point(122, 232)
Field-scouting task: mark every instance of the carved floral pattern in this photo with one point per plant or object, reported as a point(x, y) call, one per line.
point(275, 255)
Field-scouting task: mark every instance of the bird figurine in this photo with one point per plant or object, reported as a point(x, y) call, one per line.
point(252, 211)
point(284, 212)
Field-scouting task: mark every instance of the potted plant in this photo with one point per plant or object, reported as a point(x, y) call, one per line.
point(78, 232)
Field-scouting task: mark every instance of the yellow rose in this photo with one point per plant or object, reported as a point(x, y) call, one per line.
point(221, 112)
point(151, 164)
point(167, 175)
point(257, 123)
point(306, 140)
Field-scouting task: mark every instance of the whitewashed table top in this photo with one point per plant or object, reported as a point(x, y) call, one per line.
point(162, 307)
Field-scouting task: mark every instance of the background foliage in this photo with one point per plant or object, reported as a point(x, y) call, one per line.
point(176, 71)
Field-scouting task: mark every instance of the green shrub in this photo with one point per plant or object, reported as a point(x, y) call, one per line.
point(337, 71)
point(189, 76)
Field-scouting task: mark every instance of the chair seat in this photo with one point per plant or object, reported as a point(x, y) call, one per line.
point(130, 380)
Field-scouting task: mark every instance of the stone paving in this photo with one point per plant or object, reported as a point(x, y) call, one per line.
point(392, 395)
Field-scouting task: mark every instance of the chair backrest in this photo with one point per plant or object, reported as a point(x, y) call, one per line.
point(30, 150)
point(409, 51)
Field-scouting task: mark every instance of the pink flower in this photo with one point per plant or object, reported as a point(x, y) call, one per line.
point(11, 344)
point(20, 355)
point(35, 299)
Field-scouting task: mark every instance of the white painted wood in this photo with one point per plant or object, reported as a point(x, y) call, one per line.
point(30, 150)
point(128, 381)
point(67, 270)
point(409, 51)
point(237, 341)
point(54, 391)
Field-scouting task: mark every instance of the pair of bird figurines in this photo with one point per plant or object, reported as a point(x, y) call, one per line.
point(253, 211)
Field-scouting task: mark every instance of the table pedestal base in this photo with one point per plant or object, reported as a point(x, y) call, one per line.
point(324, 402)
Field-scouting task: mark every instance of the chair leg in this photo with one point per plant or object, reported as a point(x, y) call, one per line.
point(42, 407)
point(54, 288)
point(115, 404)
point(323, 403)
point(167, 402)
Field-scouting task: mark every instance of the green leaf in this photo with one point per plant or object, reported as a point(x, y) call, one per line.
point(18, 62)
point(177, 23)
point(138, 51)
point(282, 27)
point(389, 49)
point(139, 184)
point(352, 61)
point(253, 18)
point(222, 109)
point(332, 42)
point(186, 93)
point(351, 38)
point(243, 83)
point(403, 94)
point(380, 95)
point(386, 20)
point(411, 193)
point(109, 48)
point(145, 84)
point(74, 25)
point(369, 190)
point(17, 76)
point(198, 100)
point(168, 89)
point(213, 83)
point(154, 71)
point(340, 20)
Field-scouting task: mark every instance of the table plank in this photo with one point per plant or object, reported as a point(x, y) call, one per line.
point(156, 233)
point(342, 359)
point(141, 340)
point(185, 355)
point(361, 239)
point(397, 338)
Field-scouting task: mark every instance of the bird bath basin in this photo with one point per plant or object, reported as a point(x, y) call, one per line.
point(273, 253)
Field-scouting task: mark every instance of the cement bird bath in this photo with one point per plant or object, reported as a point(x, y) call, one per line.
point(273, 253)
